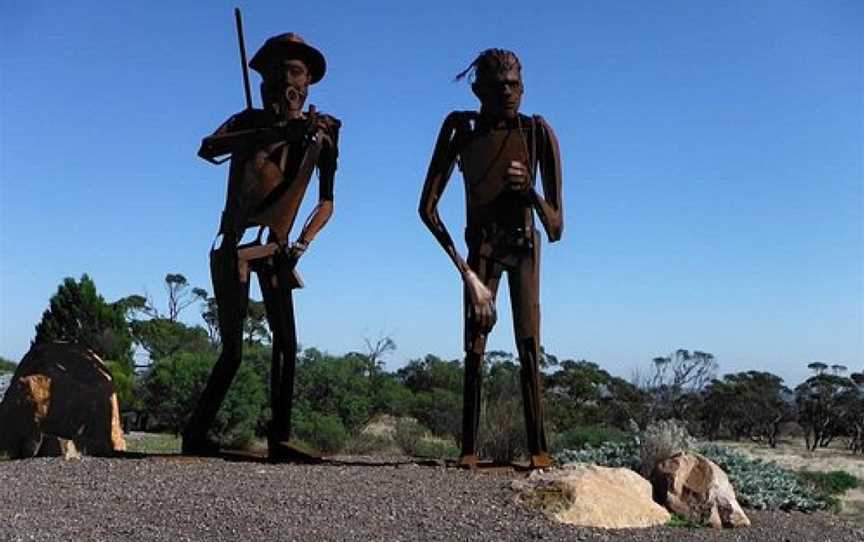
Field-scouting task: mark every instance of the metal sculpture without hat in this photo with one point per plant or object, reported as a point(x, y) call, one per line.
point(499, 152)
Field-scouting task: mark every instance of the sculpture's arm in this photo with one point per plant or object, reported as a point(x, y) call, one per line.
point(550, 206)
point(440, 169)
point(246, 130)
point(329, 132)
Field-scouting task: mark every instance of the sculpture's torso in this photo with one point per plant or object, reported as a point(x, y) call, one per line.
point(266, 184)
point(495, 213)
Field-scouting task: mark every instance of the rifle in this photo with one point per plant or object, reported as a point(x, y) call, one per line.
point(217, 145)
point(238, 20)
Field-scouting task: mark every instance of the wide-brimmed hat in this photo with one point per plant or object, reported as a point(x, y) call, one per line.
point(288, 46)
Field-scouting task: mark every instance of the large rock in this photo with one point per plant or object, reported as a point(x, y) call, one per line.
point(593, 496)
point(694, 487)
point(60, 392)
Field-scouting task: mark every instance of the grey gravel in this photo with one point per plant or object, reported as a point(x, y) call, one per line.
point(180, 498)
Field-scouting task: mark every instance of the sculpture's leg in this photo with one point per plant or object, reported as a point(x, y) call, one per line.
point(471, 407)
point(232, 297)
point(279, 304)
point(475, 346)
point(524, 282)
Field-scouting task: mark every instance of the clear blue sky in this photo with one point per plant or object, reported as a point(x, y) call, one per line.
point(712, 161)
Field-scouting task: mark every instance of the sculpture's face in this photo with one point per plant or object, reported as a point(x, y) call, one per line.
point(500, 93)
point(290, 82)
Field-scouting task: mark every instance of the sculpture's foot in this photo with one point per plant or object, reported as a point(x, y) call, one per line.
point(540, 461)
point(199, 446)
point(285, 451)
point(468, 461)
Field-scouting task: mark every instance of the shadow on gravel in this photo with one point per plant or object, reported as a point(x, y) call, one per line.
point(485, 467)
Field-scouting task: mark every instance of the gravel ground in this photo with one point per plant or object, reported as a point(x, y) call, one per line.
point(163, 498)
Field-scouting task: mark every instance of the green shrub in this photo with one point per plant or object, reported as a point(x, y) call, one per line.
point(323, 432)
point(409, 433)
point(153, 443)
point(583, 436)
point(636, 450)
point(7, 366)
point(124, 384)
point(765, 486)
point(835, 482)
point(437, 448)
point(174, 385)
point(367, 444)
point(438, 409)
point(759, 485)
point(682, 522)
point(502, 434)
point(661, 440)
point(610, 454)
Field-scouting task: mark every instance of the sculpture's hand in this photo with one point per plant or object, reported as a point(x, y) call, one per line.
point(482, 303)
point(518, 179)
point(321, 124)
point(296, 250)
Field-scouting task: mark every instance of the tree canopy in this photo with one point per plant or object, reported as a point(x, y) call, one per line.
point(78, 314)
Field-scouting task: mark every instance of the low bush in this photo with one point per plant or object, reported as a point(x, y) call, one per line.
point(153, 443)
point(124, 384)
point(758, 485)
point(501, 435)
point(438, 410)
point(583, 436)
point(682, 522)
point(661, 440)
point(368, 444)
point(408, 435)
point(610, 454)
point(323, 432)
point(437, 449)
point(835, 482)
point(174, 384)
point(637, 450)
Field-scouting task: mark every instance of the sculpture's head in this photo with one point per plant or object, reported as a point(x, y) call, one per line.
point(497, 82)
point(288, 66)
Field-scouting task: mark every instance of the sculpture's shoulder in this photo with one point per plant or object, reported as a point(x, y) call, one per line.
point(330, 123)
point(459, 125)
point(248, 119)
point(460, 119)
point(541, 124)
point(330, 120)
point(532, 121)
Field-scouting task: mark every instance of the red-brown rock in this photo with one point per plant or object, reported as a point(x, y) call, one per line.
point(60, 391)
point(694, 487)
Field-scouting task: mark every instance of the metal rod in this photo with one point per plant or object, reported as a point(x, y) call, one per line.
point(239, 20)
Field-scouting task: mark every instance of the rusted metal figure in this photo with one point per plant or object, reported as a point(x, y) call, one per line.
point(499, 152)
point(273, 153)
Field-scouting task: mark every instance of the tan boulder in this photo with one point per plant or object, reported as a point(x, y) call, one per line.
point(60, 392)
point(694, 487)
point(592, 496)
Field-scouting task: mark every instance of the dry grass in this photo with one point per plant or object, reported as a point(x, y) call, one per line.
point(791, 454)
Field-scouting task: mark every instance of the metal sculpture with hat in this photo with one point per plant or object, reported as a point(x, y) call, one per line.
point(273, 152)
point(499, 152)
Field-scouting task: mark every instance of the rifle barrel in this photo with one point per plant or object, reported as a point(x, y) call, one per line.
point(239, 20)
